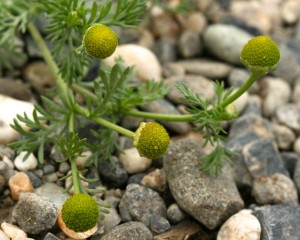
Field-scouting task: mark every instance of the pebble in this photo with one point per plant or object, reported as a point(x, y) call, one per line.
point(241, 226)
point(284, 136)
point(226, 42)
point(173, 69)
point(145, 62)
point(40, 77)
point(296, 146)
point(145, 205)
point(296, 174)
point(205, 67)
point(3, 236)
point(54, 193)
point(36, 181)
point(195, 22)
point(9, 162)
point(280, 221)
point(155, 180)
point(289, 115)
point(129, 231)
point(273, 99)
point(290, 11)
point(165, 50)
point(113, 173)
point(165, 107)
point(264, 15)
point(50, 236)
point(111, 220)
point(296, 91)
point(2, 183)
point(290, 160)
point(24, 165)
point(10, 107)
point(13, 231)
point(274, 189)
point(64, 167)
point(262, 158)
point(15, 89)
point(189, 44)
point(34, 214)
point(175, 213)
point(19, 183)
point(208, 199)
point(164, 24)
point(200, 85)
point(133, 162)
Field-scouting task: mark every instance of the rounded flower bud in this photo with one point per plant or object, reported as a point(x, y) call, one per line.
point(230, 112)
point(100, 41)
point(151, 140)
point(80, 212)
point(260, 55)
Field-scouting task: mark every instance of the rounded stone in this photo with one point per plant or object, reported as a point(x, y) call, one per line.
point(19, 183)
point(24, 165)
point(241, 226)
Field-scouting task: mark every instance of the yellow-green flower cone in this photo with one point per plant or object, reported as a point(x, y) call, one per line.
point(80, 212)
point(260, 55)
point(151, 140)
point(100, 41)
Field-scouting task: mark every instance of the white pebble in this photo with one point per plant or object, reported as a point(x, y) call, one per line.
point(144, 61)
point(133, 162)
point(13, 231)
point(241, 226)
point(3, 236)
point(10, 107)
point(9, 162)
point(29, 164)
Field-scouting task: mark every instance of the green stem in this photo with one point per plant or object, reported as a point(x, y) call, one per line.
point(161, 116)
point(253, 77)
point(74, 170)
point(103, 122)
point(49, 60)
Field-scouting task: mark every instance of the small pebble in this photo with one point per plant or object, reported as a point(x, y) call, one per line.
point(175, 214)
point(284, 136)
point(64, 167)
point(48, 168)
point(133, 162)
point(274, 189)
point(156, 180)
point(145, 62)
point(19, 183)
point(13, 231)
point(240, 226)
point(24, 165)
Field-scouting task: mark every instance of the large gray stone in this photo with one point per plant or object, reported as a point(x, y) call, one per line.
point(210, 200)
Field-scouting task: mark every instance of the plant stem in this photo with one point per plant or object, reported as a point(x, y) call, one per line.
point(62, 86)
point(74, 170)
point(253, 77)
point(103, 122)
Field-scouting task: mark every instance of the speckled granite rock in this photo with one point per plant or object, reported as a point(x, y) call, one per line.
point(208, 199)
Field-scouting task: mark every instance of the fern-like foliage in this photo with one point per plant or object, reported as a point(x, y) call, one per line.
point(208, 116)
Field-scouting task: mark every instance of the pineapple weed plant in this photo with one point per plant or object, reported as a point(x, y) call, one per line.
point(79, 31)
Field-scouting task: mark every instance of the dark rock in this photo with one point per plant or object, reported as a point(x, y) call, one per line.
point(34, 214)
point(51, 236)
point(15, 89)
point(36, 181)
point(48, 168)
point(208, 199)
point(262, 158)
point(190, 44)
point(145, 205)
point(279, 221)
point(290, 160)
point(129, 231)
point(113, 173)
point(136, 178)
point(296, 175)
point(165, 50)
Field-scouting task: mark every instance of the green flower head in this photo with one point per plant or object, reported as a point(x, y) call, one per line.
point(80, 212)
point(151, 140)
point(260, 55)
point(100, 41)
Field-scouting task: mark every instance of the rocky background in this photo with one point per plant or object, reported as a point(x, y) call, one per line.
point(257, 195)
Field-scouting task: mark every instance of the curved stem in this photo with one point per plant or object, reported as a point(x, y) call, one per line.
point(253, 77)
point(103, 122)
point(43, 48)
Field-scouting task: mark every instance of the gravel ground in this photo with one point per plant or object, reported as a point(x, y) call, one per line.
point(256, 196)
